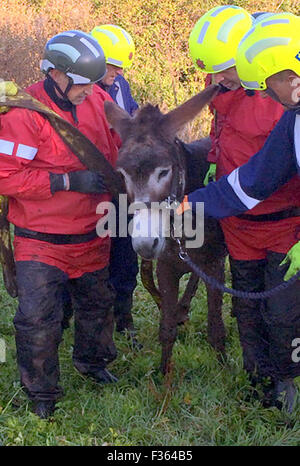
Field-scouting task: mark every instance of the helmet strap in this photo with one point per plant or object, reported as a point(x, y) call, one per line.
point(64, 94)
point(50, 85)
point(74, 113)
point(103, 86)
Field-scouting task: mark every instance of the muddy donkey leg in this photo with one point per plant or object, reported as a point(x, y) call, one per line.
point(216, 329)
point(183, 306)
point(146, 271)
point(168, 282)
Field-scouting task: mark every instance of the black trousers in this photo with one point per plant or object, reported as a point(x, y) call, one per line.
point(123, 270)
point(267, 328)
point(39, 331)
point(123, 264)
point(123, 267)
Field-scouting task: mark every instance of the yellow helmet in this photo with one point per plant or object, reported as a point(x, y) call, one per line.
point(215, 37)
point(271, 46)
point(117, 44)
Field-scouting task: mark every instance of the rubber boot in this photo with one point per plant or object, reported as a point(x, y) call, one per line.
point(124, 320)
point(122, 313)
point(285, 393)
point(102, 376)
point(67, 309)
point(43, 409)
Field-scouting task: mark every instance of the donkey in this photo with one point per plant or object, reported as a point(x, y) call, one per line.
point(154, 163)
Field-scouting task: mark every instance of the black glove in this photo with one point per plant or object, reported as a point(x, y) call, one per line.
point(83, 181)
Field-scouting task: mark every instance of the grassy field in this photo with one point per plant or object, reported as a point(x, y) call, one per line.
point(201, 402)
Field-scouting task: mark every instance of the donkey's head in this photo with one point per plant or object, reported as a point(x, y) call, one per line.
point(148, 164)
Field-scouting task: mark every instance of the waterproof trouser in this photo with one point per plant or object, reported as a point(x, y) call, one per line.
point(123, 267)
point(267, 328)
point(123, 270)
point(39, 331)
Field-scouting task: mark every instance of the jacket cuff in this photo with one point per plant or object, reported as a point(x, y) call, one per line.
point(57, 182)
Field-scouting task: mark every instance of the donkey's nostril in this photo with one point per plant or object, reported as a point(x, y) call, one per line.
point(155, 243)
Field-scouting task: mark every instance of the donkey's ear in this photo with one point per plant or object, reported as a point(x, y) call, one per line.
point(177, 118)
point(118, 118)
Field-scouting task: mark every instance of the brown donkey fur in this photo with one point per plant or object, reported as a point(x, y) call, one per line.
point(148, 141)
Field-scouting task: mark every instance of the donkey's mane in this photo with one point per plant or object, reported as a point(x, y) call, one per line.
point(148, 115)
point(144, 127)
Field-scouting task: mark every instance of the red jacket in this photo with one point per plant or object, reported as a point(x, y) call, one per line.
point(29, 149)
point(240, 126)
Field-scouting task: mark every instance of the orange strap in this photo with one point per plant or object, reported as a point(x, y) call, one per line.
point(185, 205)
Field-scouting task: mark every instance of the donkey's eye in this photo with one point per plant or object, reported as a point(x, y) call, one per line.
point(163, 173)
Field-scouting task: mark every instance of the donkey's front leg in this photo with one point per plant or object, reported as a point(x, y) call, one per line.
point(168, 282)
point(184, 304)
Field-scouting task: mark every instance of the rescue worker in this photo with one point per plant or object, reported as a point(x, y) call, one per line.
point(119, 50)
point(241, 124)
point(118, 47)
point(52, 203)
point(268, 60)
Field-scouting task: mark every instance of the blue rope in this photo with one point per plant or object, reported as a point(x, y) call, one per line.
point(238, 293)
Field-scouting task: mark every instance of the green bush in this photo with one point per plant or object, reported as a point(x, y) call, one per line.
point(162, 73)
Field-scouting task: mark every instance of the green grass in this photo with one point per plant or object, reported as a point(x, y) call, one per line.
point(201, 403)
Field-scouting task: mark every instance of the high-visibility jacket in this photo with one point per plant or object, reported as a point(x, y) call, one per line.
point(267, 171)
point(242, 122)
point(121, 93)
point(29, 149)
point(270, 170)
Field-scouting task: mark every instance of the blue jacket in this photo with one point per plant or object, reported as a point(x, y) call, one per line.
point(268, 170)
point(121, 94)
